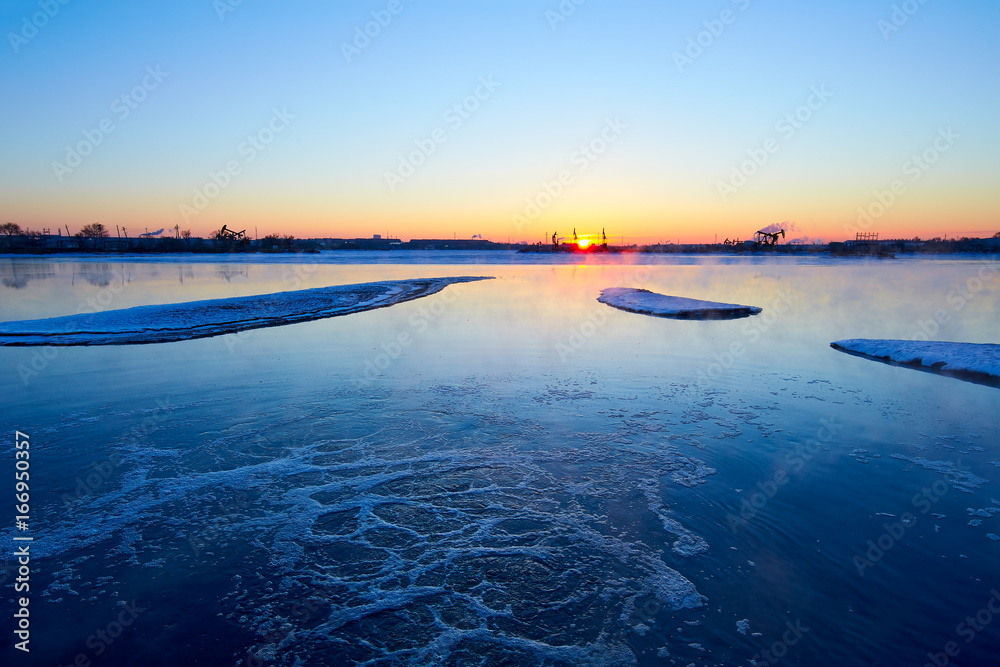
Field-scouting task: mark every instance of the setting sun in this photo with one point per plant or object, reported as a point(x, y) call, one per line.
point(583, 243)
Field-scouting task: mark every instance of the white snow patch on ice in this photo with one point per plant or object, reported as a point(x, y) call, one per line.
point(958, 359)
point(645, 302)
point(214, 317)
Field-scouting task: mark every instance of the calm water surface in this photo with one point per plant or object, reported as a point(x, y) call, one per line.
point(510, 473)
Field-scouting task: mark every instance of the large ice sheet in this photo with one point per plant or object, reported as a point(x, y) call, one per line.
point(971, 361)
point(201, 319)
point(645, 302)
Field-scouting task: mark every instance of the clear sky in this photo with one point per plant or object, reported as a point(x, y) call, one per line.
point(652, 120)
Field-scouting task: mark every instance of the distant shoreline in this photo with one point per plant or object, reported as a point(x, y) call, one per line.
point(790, 252)
point(33, 243)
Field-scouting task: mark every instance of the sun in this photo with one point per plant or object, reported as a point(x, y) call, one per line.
point(583, 243)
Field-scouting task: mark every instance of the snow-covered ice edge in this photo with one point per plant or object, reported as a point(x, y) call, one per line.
point(201, 319)
point(976, 362)
point(645, 302)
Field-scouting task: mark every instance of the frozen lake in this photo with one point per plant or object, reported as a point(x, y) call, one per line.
point(509, 472)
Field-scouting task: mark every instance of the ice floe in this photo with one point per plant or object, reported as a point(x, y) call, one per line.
point(214, 317)
point(961, 479)
point(969, 361)
point(645, 302)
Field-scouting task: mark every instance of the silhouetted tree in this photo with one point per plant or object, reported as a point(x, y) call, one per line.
point(10, 229)
point(95, 230)
point(270, 242)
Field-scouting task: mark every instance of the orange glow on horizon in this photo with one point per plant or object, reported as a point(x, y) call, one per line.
point(918, 215)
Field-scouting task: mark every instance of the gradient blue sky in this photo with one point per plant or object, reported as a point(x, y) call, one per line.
point(686, 130)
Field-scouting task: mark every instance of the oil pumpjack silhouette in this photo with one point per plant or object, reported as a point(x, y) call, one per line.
point(766, 239)
point(581, 242)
